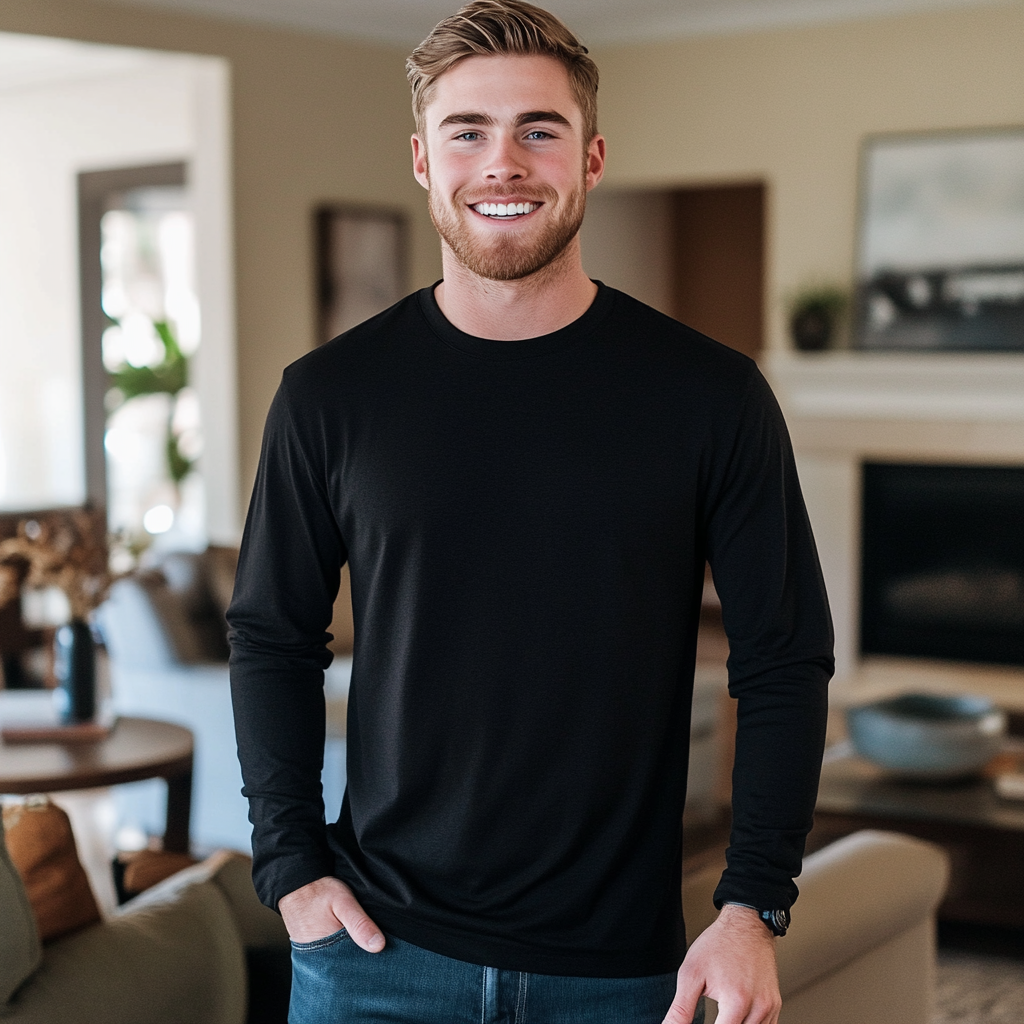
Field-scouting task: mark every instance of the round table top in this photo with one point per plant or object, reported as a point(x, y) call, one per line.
point(137, 748)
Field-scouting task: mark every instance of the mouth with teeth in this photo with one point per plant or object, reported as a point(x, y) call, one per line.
point(505, 211)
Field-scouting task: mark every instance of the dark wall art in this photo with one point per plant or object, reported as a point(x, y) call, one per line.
point(361, 265)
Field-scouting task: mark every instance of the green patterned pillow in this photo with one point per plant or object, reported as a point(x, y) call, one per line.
point(20, 949)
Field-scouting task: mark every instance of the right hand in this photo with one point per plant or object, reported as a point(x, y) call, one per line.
point(322, 908)
point(733, 962)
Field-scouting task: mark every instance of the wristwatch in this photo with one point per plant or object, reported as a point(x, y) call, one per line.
point(776, 921)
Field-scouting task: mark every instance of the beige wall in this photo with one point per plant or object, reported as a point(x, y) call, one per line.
point(792, 106)
point(626, 243)
point(315, 119)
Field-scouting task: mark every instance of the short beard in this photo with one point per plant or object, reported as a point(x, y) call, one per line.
point(507, 257)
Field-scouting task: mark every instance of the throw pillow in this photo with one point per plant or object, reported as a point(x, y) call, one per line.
point(42, 848)
point(142, 869)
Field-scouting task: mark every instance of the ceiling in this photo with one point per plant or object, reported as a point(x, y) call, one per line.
point(406, 22)
point(32, 61)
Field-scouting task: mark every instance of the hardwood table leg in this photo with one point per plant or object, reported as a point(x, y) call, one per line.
point(179, 810)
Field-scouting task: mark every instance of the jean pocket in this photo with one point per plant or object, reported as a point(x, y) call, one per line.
point(324, 943)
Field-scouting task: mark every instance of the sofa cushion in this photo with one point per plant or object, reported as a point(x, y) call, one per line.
point(171, 614)
point(171, 955)
point(20, 951)
point(42, 848)
point(259, 927)
point(132, 630)
point(220, 565)
point(140, 870)
point(861, 891)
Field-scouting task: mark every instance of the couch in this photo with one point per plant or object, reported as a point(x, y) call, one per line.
point(861, 947)
point(196, 947)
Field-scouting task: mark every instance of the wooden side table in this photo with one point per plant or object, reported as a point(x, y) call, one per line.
point(983, 834)
point(136, 749)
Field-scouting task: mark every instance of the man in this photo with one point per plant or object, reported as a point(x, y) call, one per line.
point(525, 471)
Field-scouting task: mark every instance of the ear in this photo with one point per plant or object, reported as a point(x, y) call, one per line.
point(419, 162)
point(595, 161)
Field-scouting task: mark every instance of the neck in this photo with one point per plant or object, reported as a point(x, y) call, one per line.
point(533, 306)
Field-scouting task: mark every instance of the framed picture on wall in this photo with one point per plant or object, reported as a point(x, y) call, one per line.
point(940, 261)
point(361, 265)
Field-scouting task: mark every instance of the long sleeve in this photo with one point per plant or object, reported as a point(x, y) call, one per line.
point(776, 616)
point(288, 577)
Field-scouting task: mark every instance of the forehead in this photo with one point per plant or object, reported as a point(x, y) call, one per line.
point(502, 86)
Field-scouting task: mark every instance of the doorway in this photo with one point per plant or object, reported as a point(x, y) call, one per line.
point(718, 262)
point(695, 253)
point(68, 107)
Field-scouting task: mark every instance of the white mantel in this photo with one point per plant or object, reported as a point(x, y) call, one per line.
point(845, 408)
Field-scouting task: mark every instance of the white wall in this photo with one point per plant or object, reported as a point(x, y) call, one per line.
point(157, 111)
point(215, 365)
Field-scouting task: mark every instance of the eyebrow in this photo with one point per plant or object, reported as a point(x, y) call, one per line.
point(485, 120)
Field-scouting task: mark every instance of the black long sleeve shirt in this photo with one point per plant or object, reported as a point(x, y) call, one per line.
point(526, 524)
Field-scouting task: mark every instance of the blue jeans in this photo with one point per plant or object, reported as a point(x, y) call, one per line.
point(336, 982)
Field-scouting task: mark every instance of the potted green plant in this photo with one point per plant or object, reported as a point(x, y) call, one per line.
point(814, 316)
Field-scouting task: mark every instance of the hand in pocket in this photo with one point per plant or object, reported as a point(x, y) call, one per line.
point(321, 908)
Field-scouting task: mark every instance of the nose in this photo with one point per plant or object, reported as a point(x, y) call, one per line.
point(504, 161)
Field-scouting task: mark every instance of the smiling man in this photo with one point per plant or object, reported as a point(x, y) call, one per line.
point(526, 471)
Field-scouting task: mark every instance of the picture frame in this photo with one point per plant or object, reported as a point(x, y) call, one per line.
point(361, 265)
point(940, 253)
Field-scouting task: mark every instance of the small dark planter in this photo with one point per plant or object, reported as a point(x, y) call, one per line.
point(75, 668)
point(811, 328)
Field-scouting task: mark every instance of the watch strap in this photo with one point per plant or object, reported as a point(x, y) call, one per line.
point(776, 921)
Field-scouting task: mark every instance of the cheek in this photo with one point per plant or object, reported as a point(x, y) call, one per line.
point(451, 173)
point(562, 172)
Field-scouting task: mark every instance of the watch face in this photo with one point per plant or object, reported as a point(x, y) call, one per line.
point(777, 920)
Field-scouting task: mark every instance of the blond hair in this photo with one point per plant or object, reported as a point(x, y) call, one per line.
point(506, 28)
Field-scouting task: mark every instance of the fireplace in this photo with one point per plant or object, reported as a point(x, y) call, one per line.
point(933, 425)
point(942, 559)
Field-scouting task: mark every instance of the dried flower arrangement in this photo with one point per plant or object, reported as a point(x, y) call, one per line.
point(64, 550)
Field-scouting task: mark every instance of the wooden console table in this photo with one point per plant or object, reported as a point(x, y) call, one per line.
point(136, 749)
point(982, 833)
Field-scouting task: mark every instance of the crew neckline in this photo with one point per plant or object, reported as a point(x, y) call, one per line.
point(525, 348)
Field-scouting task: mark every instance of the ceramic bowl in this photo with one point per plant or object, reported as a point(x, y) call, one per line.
point(928, 736)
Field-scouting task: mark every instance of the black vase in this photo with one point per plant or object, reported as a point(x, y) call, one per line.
point(811, 329)
point(75, 668)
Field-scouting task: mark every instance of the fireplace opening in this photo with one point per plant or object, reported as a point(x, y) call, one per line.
point(942, 572)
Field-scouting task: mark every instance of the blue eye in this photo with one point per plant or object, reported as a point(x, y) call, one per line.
point(468, 136)
point(538, 134)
